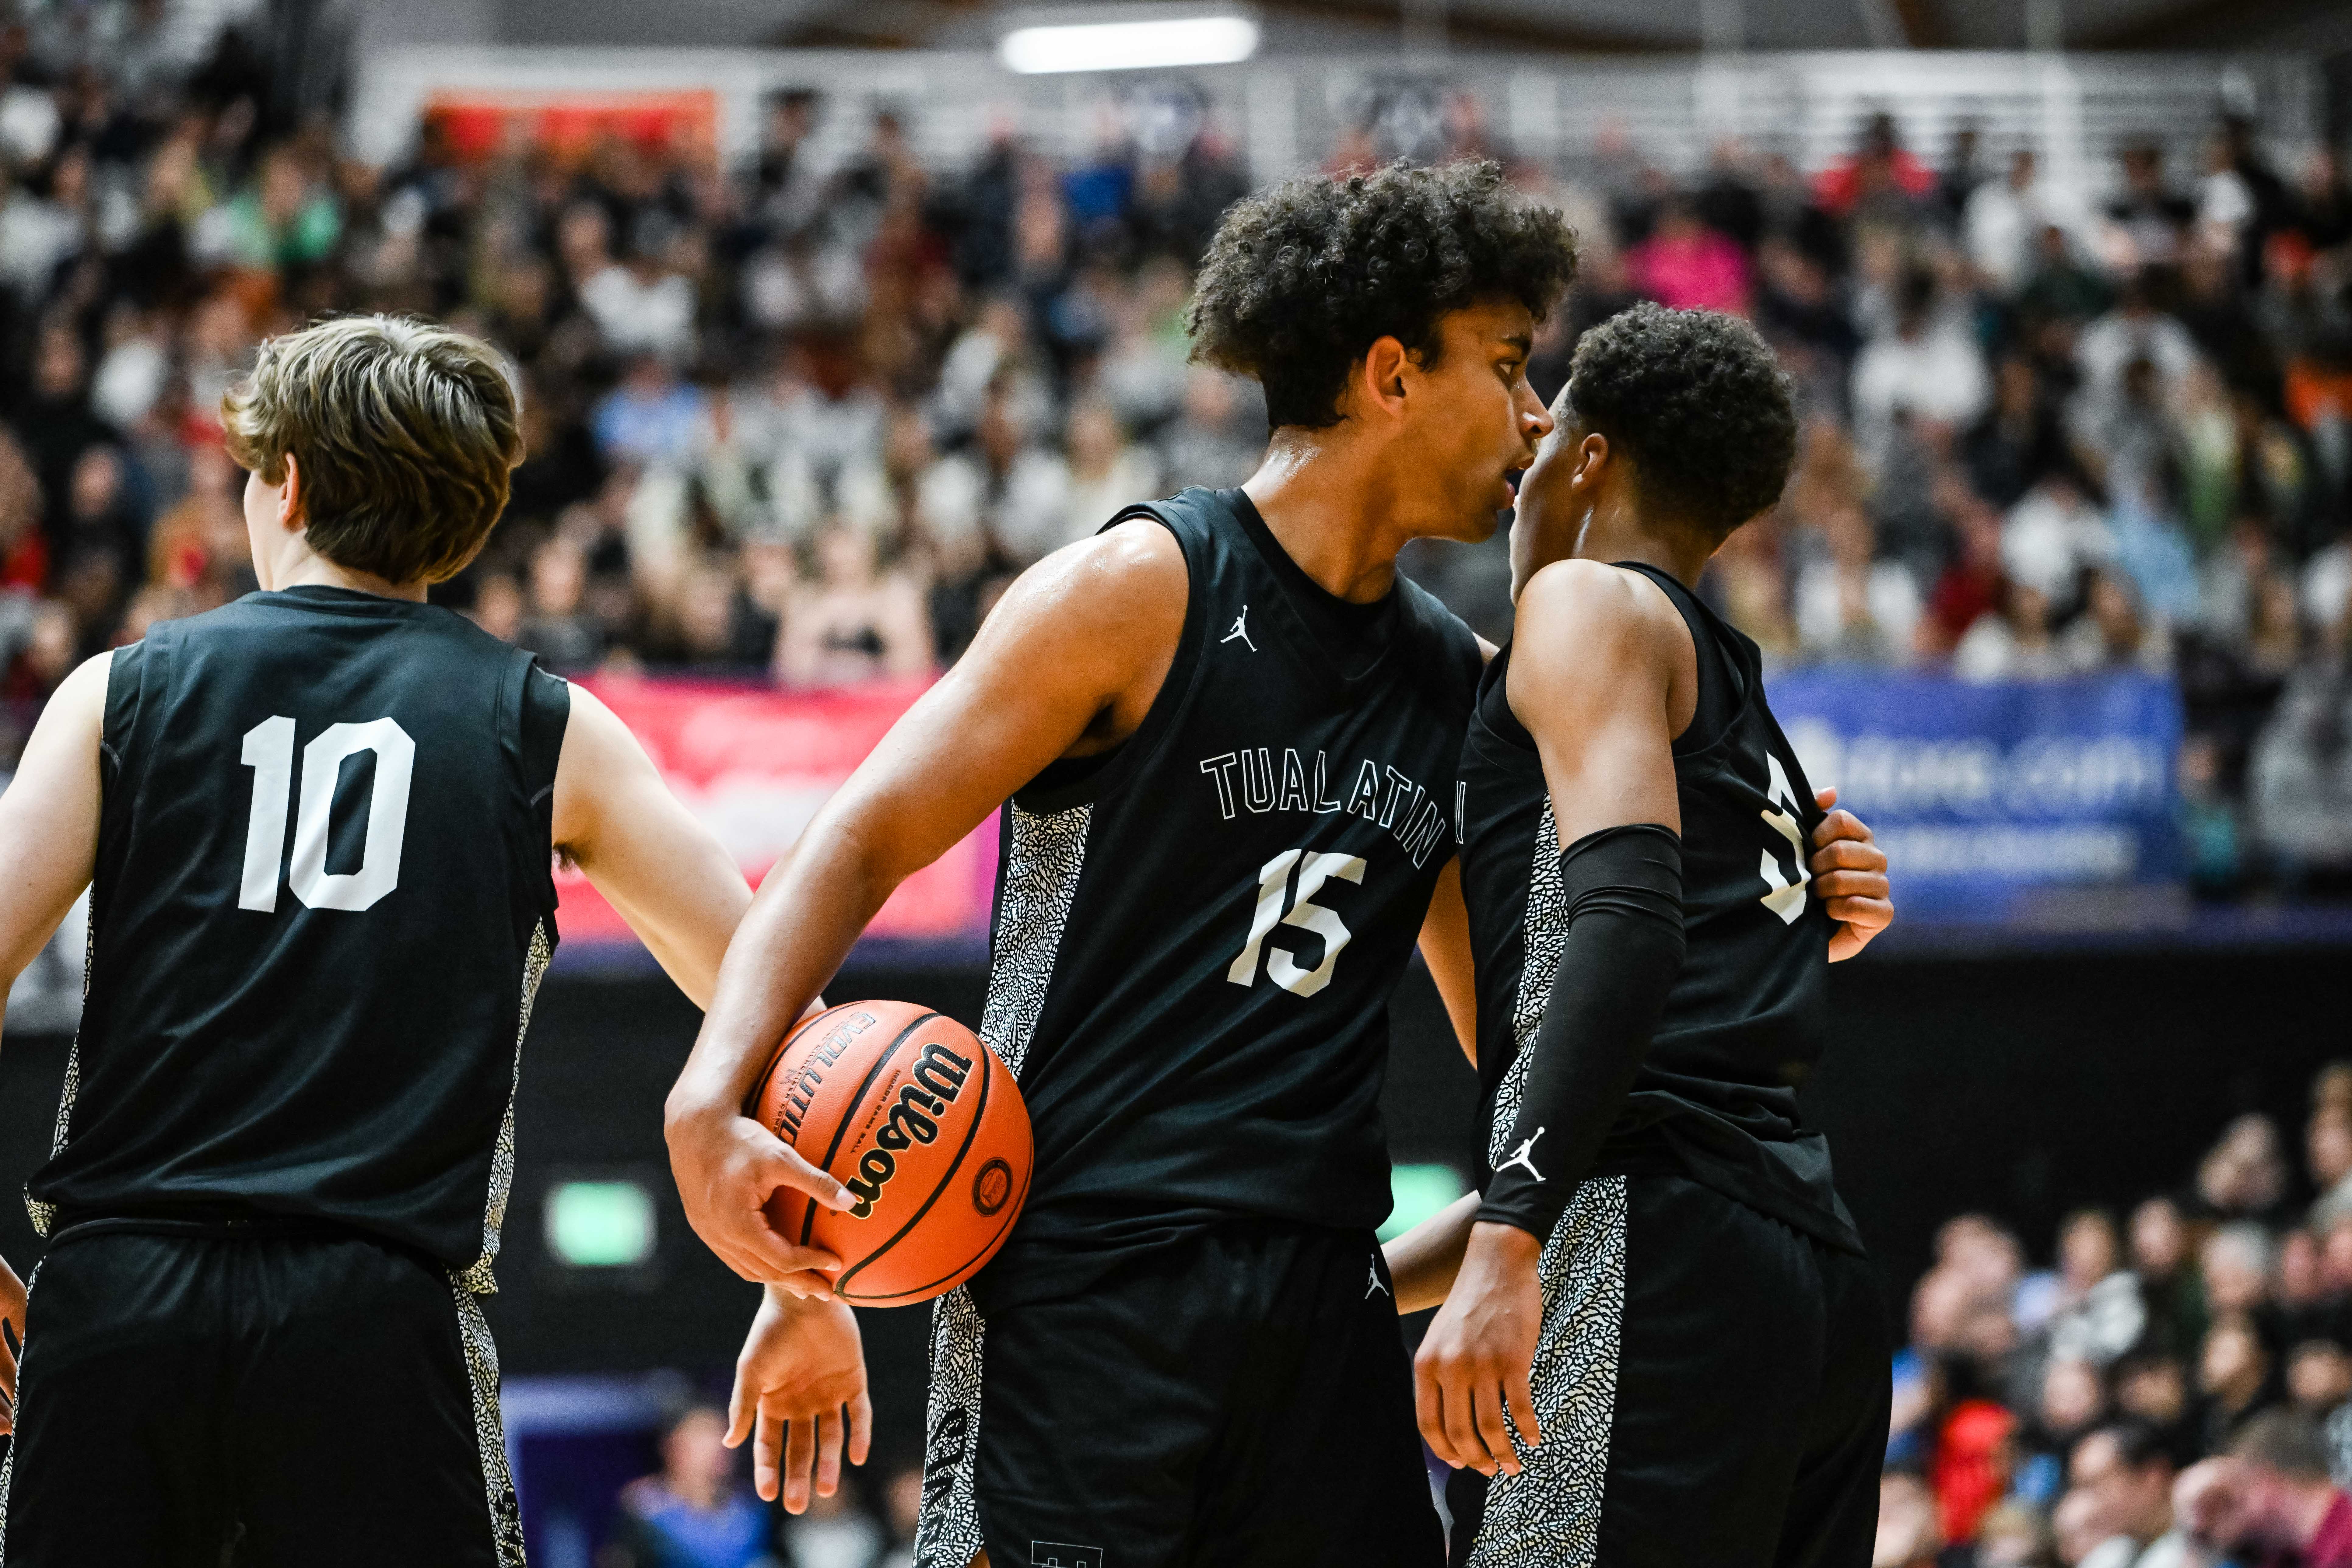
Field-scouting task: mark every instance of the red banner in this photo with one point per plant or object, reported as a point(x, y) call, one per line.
point(754, 765)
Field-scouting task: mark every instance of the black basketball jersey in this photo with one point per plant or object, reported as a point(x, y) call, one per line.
point(1195, 943)
point(322, 903)
point(1716, 1095)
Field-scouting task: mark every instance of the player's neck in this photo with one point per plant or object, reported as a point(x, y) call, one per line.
point(1617, 532)
point(308, 569)
point(1333, 514)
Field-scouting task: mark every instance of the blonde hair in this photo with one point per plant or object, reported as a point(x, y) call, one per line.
point(405, 434)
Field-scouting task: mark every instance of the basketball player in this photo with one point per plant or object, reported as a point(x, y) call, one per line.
point(1223, 735)
point(1663, 1345)
point(315, 825)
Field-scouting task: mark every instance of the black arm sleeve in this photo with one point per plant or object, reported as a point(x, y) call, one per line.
point(1624, 889)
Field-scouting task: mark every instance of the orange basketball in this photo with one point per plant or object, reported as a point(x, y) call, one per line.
point(909, 1110)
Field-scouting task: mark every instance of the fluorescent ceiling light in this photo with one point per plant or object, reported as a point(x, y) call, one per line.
point(1129, 45)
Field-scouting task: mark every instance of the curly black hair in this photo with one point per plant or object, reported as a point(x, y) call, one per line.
point(1302, 279)
point(1699, 402)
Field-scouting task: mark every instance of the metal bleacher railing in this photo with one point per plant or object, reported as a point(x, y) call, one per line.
point(1287, 112)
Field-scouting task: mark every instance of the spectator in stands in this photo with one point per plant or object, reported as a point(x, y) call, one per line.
point(1924, 368)
point(1107, 471)
point(1687, 265)
point(2125, 1472)
point(2281, 1500)
point(1850, 607)
point(2013, 642)
point(2234, 1373)
point(2112, 633)
point(693, 1514)
point(557, 627)
point(834, 1532)
point(854, 621)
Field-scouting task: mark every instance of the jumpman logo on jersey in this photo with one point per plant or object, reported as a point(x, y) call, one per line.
point(1522, 1156)
point(1372, 1282)
point(1241, 630)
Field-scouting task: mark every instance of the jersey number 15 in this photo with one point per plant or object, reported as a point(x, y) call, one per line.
point(270, 753)
point(1314, 868)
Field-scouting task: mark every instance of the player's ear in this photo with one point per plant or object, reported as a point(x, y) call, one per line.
point(1383, 381)
point(1592, 459)
point(290, 497)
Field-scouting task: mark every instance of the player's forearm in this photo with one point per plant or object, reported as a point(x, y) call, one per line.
point(1423, 1261)
point(1623, 953)
point(800, 928)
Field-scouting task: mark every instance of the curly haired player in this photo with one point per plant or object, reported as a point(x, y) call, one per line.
point(1661, 1343)
point(1223, 735)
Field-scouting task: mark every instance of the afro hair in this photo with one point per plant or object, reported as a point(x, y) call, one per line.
point(1303, 279)
point(1699, 402)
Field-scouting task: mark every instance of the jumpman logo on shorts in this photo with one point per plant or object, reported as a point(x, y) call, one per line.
point(1522, 1156)
point(1241, 630)
point(1372, 1282)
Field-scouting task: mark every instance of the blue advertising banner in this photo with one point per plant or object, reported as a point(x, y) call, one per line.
point(1988, 796)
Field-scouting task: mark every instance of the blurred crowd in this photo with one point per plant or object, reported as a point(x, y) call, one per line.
point(2174, 1391)
point(801, 419)
point(696, 1512)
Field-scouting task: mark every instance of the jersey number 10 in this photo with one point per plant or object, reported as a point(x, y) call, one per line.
point(270, 753)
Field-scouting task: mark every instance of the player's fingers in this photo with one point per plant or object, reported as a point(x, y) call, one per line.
point(800, 1458)
point(767, 1446)
point(1853, 935)
point(779, 1262)
point(1850, 885)
point(740, 1409)
point(785, 1167)
point(1492, 1432)
point(1825, 798)
point(1840, 824)
point(1462, 1426)
point(861, 1426)
point(1848, 855)
point(1865, 914)
point(1429, 1412)
point(828, 1452)
point(1521, 1402)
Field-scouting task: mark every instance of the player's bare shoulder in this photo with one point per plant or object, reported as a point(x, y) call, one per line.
point(1578, 612)
point(1113, 603)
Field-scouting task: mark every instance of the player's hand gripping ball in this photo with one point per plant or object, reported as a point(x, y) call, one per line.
point(924, 1126)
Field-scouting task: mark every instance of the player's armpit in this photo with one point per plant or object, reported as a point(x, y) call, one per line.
point(48, 817)
point(664, 871)
point(1445, 947)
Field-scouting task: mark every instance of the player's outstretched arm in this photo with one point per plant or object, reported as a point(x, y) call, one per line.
point(1073, 653)
point(1602, 659)
point(49, 847)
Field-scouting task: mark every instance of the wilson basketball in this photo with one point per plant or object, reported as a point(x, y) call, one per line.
point(919, 1121)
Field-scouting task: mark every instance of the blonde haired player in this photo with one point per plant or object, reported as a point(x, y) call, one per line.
point(316, 827)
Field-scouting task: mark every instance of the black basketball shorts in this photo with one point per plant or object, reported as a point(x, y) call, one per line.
point(1712, 1387)
point(1240, 1399)
point(262, 1402)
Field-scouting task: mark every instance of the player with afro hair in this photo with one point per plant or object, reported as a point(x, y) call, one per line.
point(1303, 277)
